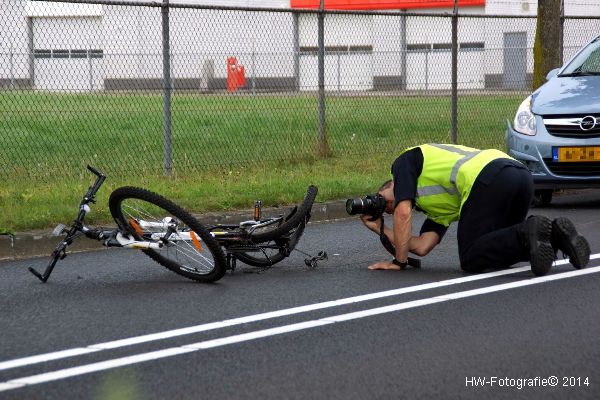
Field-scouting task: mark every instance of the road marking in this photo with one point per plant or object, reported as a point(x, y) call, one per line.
point(57, 355)
point(207, 344)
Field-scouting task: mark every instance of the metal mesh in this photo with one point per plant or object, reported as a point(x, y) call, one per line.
point(85, 83)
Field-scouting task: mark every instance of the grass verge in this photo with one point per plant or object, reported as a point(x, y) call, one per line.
point(228, 150)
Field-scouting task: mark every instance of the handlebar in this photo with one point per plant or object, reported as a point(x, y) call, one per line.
point(91, 193)
point(94, 171)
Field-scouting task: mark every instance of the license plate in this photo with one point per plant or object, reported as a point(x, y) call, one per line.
point(576, 154)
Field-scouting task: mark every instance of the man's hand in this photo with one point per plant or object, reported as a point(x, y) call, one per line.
point(375, 226)
point(385, 265)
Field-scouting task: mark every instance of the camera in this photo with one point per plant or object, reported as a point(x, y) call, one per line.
point(373, 205)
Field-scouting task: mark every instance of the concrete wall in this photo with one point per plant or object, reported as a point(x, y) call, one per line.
point(201, 41)
point(14, 44)
point(363, 52)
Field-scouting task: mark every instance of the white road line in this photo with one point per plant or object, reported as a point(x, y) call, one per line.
point(57, 355)
point(207, 344)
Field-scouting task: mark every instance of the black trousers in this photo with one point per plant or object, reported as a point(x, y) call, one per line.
point(487, 228)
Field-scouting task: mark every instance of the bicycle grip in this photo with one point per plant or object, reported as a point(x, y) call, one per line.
point(94, 170)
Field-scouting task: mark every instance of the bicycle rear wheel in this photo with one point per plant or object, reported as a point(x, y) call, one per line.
point(187, 248)
point(281, 248)
point(299, 215)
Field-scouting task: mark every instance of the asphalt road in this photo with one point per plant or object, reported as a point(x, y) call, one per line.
point(430, 333)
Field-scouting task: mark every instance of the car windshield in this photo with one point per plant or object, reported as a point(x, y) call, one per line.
point(586, 63)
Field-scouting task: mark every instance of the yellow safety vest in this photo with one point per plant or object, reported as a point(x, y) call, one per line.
point(449, 172)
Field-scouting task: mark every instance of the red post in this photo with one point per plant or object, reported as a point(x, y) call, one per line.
point(231, 78)
point(236, 76)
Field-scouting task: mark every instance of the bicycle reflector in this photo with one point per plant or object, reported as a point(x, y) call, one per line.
point(136, 227)
point(196, 242)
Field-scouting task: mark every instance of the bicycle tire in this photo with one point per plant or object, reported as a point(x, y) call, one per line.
point(267, 261)
point(188, 260)
point(302, 214)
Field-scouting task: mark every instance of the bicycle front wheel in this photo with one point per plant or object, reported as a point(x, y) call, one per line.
point(186, 247)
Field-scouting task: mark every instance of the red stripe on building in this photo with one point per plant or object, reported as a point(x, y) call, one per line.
point(383, 4)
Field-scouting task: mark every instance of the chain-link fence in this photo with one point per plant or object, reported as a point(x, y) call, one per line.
point(136, 87)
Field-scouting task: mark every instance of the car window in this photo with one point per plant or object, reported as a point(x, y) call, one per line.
point(592, 64)
point(586, 62)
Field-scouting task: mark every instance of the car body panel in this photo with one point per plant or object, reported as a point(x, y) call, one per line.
point(567, 95)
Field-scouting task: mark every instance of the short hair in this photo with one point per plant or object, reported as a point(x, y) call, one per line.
point(386, 185)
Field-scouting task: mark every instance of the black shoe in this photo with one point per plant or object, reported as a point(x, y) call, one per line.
point(566, 239)
point(535, 233)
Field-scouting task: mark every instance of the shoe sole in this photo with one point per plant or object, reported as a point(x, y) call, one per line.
point(571, 243)
point(540, 251)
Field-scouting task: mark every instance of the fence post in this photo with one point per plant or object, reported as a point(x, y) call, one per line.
point(253, 62)
point(454, 101)
point(323, 145)
point(12, 68)
point(168, 157)
point(30, 50)
point(427, 69)
point(89, 57)
point(296, 52)
point(561, 41)
point(403, 49)
point(339, 72)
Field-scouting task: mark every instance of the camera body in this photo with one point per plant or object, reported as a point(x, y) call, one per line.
point(373, 205)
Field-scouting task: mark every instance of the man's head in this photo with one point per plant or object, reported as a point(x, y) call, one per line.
point(387, 192)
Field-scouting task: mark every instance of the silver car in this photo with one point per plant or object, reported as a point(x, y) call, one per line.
point(556, 130)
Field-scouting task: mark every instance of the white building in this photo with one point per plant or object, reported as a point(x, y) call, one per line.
point(61, 46)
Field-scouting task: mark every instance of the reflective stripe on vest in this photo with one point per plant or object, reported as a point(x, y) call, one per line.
point(438, 189)
point(445, 181)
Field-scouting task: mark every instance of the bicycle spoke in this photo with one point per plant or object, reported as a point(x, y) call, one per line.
point(177, 247)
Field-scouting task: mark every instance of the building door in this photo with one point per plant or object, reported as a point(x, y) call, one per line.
point(68, 53)
point(515, 60)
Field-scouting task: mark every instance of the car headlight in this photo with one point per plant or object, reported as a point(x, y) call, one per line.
point(524, 119)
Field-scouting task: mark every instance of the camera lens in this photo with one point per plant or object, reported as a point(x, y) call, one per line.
point(354, 206)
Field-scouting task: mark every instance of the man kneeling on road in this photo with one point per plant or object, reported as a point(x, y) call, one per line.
point(489, 194)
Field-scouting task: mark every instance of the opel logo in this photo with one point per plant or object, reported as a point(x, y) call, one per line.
point(588, 123)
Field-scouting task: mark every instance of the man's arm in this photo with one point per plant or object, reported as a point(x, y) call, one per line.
point(419, 245)
point(402, 230)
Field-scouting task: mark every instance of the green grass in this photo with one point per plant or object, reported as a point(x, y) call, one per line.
point(227, 150)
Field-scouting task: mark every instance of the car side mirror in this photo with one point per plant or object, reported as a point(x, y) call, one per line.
point(552, 74)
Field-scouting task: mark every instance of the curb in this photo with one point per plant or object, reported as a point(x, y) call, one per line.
point(41, 243)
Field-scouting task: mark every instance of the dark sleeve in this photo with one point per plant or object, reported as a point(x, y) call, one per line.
point(431, 226)
point(406, 170)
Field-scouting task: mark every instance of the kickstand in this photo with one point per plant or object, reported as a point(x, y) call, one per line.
point(231, 262)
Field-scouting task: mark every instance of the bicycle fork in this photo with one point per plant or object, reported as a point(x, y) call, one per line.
point(59, 253)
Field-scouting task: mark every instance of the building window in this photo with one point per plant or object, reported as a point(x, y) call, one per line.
point(314, 50)
point(64, 53)
point(361, 49)
point(78, 53)
point(418, 47)
point(96, 53)
point(42, 53)
point(472, 46)
point(442, 46)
